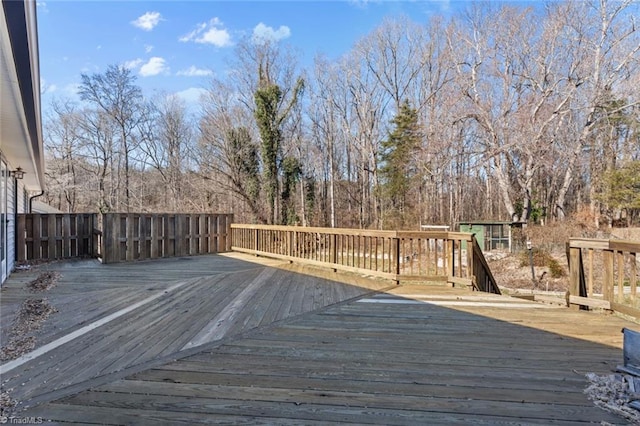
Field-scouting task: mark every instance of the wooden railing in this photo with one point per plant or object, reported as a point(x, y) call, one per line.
point(451, 257)
point(129, 236)
point(396, 255)
point(56, 236)
point(483, 277)
point(607, 277)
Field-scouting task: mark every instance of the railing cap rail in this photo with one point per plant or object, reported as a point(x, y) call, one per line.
point(625, 245)
point(602, 244)
point(464, 236)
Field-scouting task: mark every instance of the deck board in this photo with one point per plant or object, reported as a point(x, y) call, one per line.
point(302, 347)
point(187, 307)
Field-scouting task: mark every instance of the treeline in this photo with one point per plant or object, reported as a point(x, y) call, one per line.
point(506, 113)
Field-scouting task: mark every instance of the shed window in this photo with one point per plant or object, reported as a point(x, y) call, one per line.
point(498, 237)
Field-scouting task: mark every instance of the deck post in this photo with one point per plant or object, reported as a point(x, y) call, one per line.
point(396, 255)
point(450, 257)
point(470, 260)
point(574, 271)
point(633, 278)
point(620, 263)
point(607, 285)
point(256, 240)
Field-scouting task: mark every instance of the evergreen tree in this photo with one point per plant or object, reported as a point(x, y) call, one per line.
point(621, 189)
point(244, 164)
point(395, 159)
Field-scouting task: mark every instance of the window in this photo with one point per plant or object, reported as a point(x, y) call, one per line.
point(498, 237)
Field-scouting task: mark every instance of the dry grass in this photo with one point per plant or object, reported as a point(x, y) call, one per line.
point(509, 272)
point(549, 249)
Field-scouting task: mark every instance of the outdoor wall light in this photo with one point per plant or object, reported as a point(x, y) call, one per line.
point(18, 173)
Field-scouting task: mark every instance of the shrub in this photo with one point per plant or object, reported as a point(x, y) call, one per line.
point(555, 269)
point(542, 258)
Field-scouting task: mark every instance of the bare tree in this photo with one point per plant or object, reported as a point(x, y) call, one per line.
point(114, 92)
point(63, 144)
point(166, 141)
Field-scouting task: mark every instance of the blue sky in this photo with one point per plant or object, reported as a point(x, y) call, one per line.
point(176, 46)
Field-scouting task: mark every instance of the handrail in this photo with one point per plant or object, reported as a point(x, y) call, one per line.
point(396, 255)
point(610, 269)
point(484, 278)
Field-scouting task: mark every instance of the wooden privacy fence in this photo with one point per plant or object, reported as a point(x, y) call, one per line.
point(129, 236)
point(604, 274)
point(56, 236)
point(118, 237)
point(401, 256)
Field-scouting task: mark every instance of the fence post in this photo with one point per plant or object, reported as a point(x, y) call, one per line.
point(470, 258)
point(155, 232)
point(574, 271)
point(607, 286)
point(21, 230)
point(109, 236)
point(130, 237)
point(290, 243)
point(51, 237)
point(633, 280)
point(334, 250)
point(256, 240)
point(396, 253)
point(450, 257)
point(229, 240)
point(620, 261)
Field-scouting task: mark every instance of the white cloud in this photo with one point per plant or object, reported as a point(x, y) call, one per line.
point(155, 66)
point(47, 88)
point(262, 33)
point(209, 33)
point(193, 71)
point(193, 34)
point(148, 48)
point(133, 64)
point(148, 21)
point(362, 4)
point(42, 7)
point(191, 95)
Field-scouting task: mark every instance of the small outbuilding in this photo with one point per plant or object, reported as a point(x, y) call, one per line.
point(495, 235)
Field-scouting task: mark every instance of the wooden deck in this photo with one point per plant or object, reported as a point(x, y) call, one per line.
point(219, 339)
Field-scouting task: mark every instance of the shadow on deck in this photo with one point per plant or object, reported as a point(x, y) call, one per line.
point(221, 339)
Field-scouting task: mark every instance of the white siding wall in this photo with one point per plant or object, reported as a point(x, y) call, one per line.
point(3, 205)
point(14, 204)
point(11, 224)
